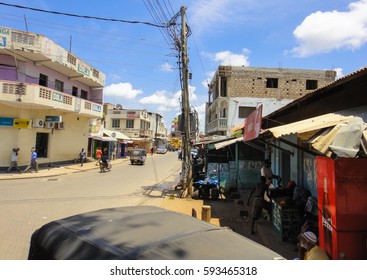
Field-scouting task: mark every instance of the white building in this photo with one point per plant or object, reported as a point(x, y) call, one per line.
point(145, 129)
point(48, 97)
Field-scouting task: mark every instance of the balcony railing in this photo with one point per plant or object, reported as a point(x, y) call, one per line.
point(31, 94)
point(217, 125)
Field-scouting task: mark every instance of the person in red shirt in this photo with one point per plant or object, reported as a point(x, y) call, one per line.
point(98, 155)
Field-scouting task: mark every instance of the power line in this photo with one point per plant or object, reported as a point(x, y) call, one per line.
point(83, 16)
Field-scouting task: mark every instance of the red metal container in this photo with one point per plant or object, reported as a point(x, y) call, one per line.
point(342, 202)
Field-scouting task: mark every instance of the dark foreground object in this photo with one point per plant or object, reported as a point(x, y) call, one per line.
point(140, 233)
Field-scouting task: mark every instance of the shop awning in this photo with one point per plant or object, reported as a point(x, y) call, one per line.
point(220, 145)
point(341, 132)
point(116, 134)
point(105, 139)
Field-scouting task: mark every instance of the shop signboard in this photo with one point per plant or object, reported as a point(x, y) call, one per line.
point(22, 123)
point(53, 118)
point(6, 121)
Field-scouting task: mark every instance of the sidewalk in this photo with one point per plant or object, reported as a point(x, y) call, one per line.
point(231, 213)
point(55, 170)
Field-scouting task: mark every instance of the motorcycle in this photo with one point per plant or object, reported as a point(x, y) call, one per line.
point(105, 165)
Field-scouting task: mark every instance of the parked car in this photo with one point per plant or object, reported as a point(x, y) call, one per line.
point(141, 233)
point(161, 150)
point(138, 156)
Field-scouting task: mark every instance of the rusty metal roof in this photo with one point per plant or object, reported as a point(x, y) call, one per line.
point(321, 131)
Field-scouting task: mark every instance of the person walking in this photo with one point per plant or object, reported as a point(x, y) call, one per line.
point(82, 156)
point(14, 160)
point(257, 203)
point(33, 164)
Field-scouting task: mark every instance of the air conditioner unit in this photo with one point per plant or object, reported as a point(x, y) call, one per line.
point(59, 125)
point(38, 123)
point(49, 124)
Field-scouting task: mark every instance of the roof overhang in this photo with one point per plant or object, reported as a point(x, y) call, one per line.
point(343, 132)
point(116, 134)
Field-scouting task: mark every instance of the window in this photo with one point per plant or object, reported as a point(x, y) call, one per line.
point(75, 91)
point(311, 84)
point(271, 82)
point(59, 85)
point(83, 94)
point(115, 123)
point(129, 123)
point(223, 113)
point(243, 112)
point(223, 86)
point(42, 144)
point(43, 80)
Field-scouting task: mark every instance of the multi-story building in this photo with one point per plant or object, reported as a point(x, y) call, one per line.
point(235, 92)
point(145, 129)
point(48, 97)
point(158, 128)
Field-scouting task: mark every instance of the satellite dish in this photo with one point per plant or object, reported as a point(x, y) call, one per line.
point(118, 106)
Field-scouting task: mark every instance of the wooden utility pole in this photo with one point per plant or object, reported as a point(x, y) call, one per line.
point(186, 165)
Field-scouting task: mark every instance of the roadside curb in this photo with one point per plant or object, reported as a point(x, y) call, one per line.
point(55, 171)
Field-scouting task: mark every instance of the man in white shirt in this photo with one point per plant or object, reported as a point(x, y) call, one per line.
point(14, 160)
point(268, 173)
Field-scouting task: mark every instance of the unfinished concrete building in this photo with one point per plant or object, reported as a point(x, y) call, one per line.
point(236, 91)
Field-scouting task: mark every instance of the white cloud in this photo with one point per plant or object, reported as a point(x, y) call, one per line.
point(162, 98)
point(322, 32)
point(122, 90)
point(339, 73)
point(227, 58)
point(167, 67)
point(209, 77)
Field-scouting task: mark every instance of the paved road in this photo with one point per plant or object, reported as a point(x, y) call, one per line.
point(26, 204)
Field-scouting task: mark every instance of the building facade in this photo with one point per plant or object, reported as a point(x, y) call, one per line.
point(145, 129)
point(48, 97)
point(235, 92)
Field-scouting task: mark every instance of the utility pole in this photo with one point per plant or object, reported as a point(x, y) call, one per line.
point(186, 165)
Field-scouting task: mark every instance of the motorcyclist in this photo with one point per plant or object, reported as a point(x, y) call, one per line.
point(104, 159)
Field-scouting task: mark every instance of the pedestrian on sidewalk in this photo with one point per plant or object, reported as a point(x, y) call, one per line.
point(82, 156)
point(257, 203)
point(14, 160)
point(33, 163)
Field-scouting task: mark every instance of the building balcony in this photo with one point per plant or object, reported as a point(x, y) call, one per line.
point(27, 46)
point(217, 125)
point(35, 97)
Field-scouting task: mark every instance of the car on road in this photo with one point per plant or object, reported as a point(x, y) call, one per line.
point(138, 156)
point(161, 150)
point(135, 233)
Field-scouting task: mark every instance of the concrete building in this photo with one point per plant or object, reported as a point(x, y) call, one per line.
point(144, 128)
point(48, 97)
point(235, 92)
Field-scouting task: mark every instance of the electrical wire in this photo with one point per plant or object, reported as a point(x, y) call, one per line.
point(82, 16)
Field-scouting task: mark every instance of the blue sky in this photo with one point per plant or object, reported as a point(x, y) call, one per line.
point(141, 65)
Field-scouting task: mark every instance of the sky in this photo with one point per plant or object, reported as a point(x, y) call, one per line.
point(140, 60)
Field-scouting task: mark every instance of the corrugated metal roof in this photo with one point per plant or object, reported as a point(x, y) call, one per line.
point(329, 123)
point(220, 145)
point(312, 124)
